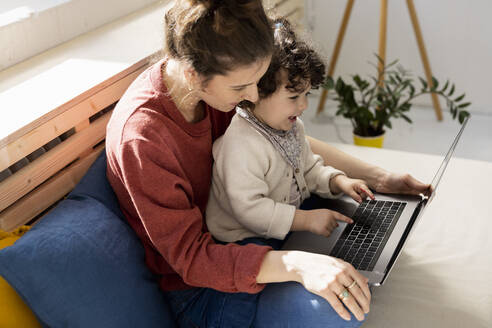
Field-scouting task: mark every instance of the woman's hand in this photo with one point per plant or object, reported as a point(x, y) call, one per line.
point(329, 277)
point(355, 188)
point(320, 221)
point(396, 183)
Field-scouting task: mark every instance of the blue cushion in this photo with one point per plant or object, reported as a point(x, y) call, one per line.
point(83, 266)
point(95, 185)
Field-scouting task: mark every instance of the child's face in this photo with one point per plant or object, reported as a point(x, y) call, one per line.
point(282, 108)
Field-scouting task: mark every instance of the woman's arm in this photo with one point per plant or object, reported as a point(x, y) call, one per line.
point(322, 275)
point(158, 197)
point(377, 178)
point(352, 166)
point(317, 174)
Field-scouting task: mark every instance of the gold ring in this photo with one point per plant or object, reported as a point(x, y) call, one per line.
point(354, 283)
point(344, 295)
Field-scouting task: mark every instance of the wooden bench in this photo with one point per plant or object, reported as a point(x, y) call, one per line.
point(44, 162)
point(56, 106)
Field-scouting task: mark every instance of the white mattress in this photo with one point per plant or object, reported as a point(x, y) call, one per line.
point(443, 278)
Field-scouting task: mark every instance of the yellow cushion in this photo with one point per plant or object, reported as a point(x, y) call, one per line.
point(13, 311)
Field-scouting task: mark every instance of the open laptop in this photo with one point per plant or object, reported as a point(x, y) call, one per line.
point(381, 227)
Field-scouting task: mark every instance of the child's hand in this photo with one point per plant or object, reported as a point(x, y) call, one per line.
point(355, 188)
point(324, 221)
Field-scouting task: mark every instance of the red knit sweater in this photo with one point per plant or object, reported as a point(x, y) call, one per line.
point(160, 168)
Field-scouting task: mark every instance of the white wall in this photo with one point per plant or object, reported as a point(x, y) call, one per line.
point(29, 27)
point(457, 35)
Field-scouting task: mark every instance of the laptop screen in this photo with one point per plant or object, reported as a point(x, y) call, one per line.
point(420, 208)
point(445, 162)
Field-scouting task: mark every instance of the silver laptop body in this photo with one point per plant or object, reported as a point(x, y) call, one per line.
point(412, 212)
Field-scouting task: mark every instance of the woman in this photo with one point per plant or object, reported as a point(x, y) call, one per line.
point(159, 143)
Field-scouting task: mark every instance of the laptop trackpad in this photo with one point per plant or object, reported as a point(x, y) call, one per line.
point(309, 242)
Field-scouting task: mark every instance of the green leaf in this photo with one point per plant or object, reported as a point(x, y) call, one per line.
point(451, 91)
point(388, 90)
point(405, 107)
point(329, 83)
point(348, 94)
point(412, 90)
point(339, 86)
point(445, 86)
point(463, 114)
point(391, 64)
point(388, 124)
point(424, 83)
point(464, 105)
point(406, 118)
point(357, 80)
point(380, 60)
point(460, 98)
point(435, 83)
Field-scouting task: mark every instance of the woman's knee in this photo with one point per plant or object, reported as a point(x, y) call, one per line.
point(291, 305)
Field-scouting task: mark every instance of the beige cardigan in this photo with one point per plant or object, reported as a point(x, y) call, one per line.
point(252, 182)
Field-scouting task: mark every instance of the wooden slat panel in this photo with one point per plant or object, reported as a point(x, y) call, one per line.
point(65, 121)
point(49, 192)
point(79, 127)
point(82, 125)
point(31, 176)
point(45, 113)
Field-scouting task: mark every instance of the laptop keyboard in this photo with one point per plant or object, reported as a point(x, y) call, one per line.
point(362, 242)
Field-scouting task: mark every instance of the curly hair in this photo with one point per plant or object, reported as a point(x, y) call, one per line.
point(295, 57)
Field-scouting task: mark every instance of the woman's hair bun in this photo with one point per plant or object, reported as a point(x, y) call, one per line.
point(218, 35)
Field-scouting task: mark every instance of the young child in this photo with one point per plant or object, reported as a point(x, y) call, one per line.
point(263, 165)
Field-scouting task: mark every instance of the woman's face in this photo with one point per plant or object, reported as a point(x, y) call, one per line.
point(224, 92)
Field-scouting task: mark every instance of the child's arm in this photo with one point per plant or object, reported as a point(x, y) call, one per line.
point(319, 221)
point(355, 188)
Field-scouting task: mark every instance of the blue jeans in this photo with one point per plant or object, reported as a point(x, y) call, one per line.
point(278, 305)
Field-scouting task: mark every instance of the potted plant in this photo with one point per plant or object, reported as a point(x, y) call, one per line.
point(371, 104)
